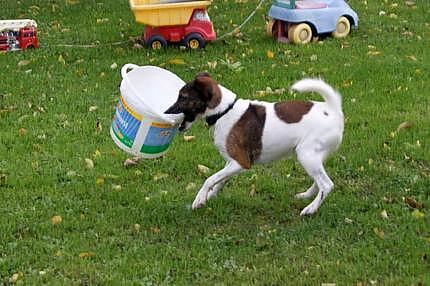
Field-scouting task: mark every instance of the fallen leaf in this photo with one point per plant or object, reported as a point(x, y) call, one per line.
point(86, 254)
point(23, 63)
point(177, 62)
point(100, 181)
point(131, 162)
point(379, 232)
point(113, 66)
point(348, 220)
point(97, 154)
point(404, 125)
point(191, 186)
point(61, 59)
point(22, 132)
point(203, 169)
point(14, 278)
point(418, 214)
point(89, 164)
point(384, 214)
point(136, 227)
point(412, 58)
point(160, 176)
point(56, 219)
point(413, 203)
point(93, 108)
point(102, 20)
point(189, 138)
point(373, 53)
point(116, 187)
point(155, 230)
point(98, 126)
point(212, 65)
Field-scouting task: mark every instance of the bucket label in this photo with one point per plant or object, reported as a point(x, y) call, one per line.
point(158, 138)
point(125, 123)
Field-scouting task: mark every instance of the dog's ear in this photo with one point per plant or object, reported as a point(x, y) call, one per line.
point(203, 83)
point(207, 89)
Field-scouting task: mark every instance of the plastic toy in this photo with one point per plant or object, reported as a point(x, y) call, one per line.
point(18, 35)
point(186, 23)
point(299, 21)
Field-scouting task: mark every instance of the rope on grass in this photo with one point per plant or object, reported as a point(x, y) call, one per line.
point(231, 33)
point(237, 29)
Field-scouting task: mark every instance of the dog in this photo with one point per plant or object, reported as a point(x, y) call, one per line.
point(248, 132)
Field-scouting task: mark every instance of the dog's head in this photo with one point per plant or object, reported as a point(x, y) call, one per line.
point(194, 98)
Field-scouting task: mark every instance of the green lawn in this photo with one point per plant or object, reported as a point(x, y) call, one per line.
point(134, 226)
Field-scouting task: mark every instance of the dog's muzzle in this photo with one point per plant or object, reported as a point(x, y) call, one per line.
point(188, 118)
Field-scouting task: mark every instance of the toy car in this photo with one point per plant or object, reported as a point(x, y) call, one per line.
point(187, 23)
point(299, 21)
point(18, 34)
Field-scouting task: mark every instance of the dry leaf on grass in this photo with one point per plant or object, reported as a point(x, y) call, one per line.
point(203, 169)
point(86, 254)
point(384, 214)
point(189, 138)
point(160, 176)
point(413, 203)
point(56, 219)
point(418, 214)
point(177, 62)
point(131, 162)
point(191, 186)
point(116, 187)
point(89, 164)
point(379, 232)
point(404, 125)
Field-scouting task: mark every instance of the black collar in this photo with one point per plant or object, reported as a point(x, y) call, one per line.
point(212, 119)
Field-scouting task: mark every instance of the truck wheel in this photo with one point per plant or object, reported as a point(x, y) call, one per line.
point(300, 34)
point(156, 42)
point(343, 27)
point(194, 41)
point(272, 28)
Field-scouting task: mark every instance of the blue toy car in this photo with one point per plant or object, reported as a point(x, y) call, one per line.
point(299, 21)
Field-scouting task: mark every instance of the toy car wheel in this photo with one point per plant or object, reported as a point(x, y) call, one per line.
point(194, 41)
point(272, 28)
point(156, 42)
point(300, 34)
point(343, 27)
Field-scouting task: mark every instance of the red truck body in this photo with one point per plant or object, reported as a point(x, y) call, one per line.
point(18, 39)
point(195, 34)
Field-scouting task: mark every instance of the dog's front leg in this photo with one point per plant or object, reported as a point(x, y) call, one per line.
point(231, 168)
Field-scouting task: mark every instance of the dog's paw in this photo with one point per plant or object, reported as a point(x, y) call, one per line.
point(309, 210)
point(199, 202)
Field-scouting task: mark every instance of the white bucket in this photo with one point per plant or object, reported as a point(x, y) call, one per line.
point(140, 126)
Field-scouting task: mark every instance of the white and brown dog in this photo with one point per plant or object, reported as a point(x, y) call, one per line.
point(248, 132)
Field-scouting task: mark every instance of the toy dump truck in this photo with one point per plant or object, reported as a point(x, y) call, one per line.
point(299, 21)
point(168, 21)
point(18, 35)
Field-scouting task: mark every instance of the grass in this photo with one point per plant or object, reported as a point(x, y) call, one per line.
point(145, 233)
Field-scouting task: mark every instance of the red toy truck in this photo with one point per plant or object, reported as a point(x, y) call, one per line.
point(169, 21)
point(18, 35)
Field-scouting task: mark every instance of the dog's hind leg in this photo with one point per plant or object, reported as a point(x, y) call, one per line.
point(312, 162)
point(231, 168)
point(309, 193)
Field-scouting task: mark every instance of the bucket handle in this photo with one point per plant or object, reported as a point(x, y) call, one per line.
point(127, 67)
point(124, 71)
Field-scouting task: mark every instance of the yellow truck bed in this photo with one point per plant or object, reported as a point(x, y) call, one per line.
point(155, 13)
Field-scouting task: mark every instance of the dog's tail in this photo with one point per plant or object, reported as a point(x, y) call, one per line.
point(331, 96)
